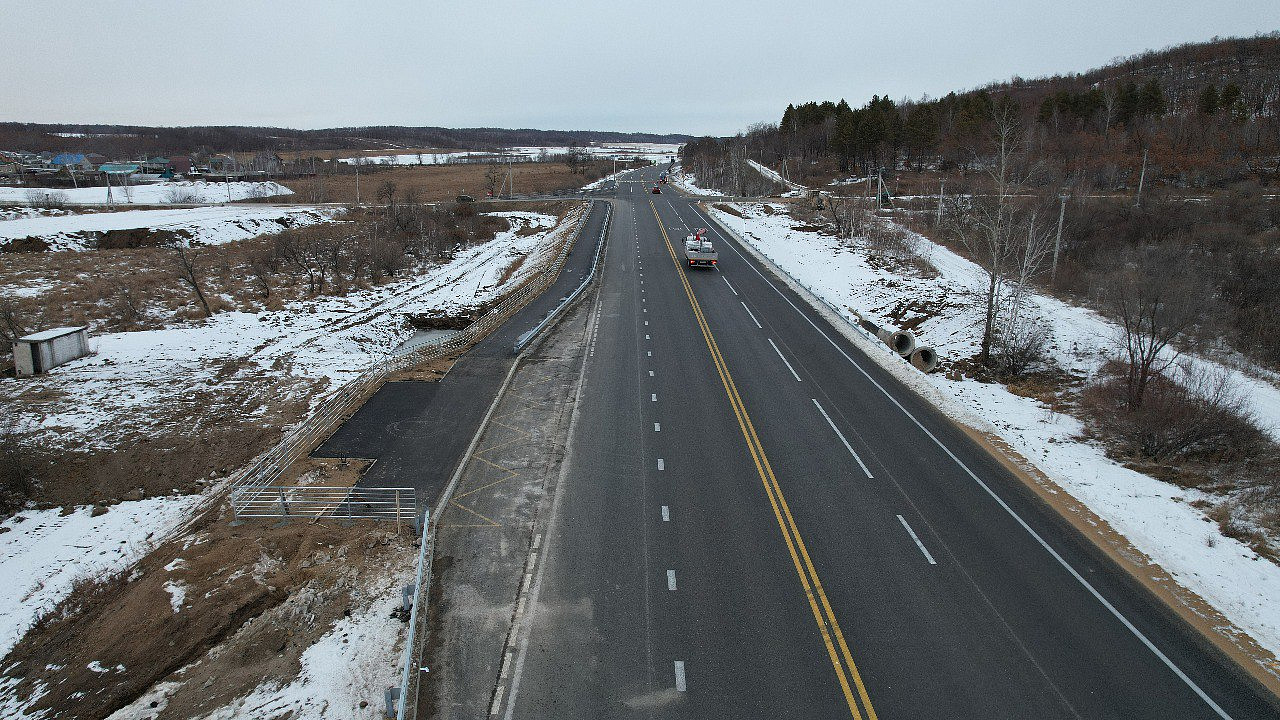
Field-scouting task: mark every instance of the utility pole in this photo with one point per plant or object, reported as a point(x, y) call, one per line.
point(941, 189)
point(107, 175)
point(1057, 243)
point(357, 181)
point(1141, 179)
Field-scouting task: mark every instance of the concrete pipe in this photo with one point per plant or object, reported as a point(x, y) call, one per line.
point(903, 342)
point(925, 359)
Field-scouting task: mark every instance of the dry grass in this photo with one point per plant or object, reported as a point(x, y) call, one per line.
point(256, 596)
point(439, 183)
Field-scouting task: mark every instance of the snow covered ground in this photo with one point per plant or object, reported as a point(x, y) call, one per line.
point(43, 553)
point(328, 339)
point(201, 226)
point(1156, 517)
point(185, 192)
point(353, 663)
point(688, 182)
point(658, 152)
point(133, 375)
point(775, 176)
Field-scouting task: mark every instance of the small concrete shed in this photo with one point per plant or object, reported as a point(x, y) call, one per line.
point(38, 352)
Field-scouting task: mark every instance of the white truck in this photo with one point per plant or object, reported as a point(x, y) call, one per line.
point(698, 250)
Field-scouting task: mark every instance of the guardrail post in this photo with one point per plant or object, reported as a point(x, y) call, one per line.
point(391, 696)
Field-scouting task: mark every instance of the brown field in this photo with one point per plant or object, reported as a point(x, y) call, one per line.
point(335, 154)
point(437, 183)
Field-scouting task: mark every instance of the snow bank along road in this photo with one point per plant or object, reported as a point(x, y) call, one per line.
point(758, 521)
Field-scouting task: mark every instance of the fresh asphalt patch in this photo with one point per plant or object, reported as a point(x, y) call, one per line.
point(393, 412)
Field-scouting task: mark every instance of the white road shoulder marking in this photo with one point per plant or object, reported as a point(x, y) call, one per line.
point(1200, 693)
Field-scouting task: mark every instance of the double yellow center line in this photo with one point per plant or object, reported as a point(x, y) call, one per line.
point(832, 637)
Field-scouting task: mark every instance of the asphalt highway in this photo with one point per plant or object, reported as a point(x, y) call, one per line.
point(757, 521)
point(417, 432)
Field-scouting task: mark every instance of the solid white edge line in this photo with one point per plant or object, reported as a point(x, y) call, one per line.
point(784, 361)
point(840, 435)
point(919, 544)
point(680, 682)
point(999, 501)
point(753, 317)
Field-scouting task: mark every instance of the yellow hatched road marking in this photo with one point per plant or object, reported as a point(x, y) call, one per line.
point(818, 603)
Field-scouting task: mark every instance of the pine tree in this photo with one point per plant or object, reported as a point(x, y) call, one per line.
point(1209, 100)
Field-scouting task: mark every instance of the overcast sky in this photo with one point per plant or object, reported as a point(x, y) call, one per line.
point(647, 65)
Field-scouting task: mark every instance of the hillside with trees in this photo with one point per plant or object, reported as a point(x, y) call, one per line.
point(1205, 114)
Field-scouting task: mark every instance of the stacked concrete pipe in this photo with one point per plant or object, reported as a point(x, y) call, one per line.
point(904, 343)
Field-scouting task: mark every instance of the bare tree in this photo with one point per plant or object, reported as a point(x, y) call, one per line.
point(1157, 302)
point(187, 273)
point(493, 176)
point(997, 230)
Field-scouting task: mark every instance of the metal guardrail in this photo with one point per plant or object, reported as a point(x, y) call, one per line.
point(523, 341)
point(297, 442)
point(402, 702)
point(397, 697)
point(315, 501)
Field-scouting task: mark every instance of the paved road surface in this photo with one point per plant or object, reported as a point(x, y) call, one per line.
point(418, 434)
point(758, 522)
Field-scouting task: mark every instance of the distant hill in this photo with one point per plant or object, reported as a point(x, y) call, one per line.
point(132, 140)
point(1203, 114)
point(1183, 72)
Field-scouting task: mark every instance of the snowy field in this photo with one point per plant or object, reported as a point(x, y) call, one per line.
point(658, 152)
point(688, 182)
point(200, 226)
point(132, 375)
point(329, 339)
point(193, 192)
point(1155, 516)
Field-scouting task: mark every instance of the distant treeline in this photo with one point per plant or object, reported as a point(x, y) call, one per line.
point(135, 140)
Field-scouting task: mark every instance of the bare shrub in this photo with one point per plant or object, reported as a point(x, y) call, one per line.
point(1201, 418)
point(1020, 348)
point(1157, 301)
point(17, 472)
point(892, 241)
point(47, 199)
point(182, 195)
